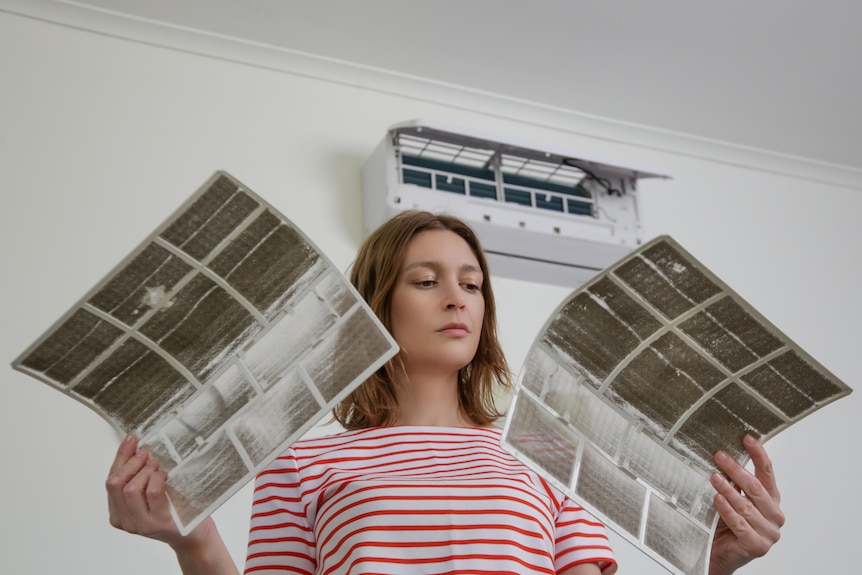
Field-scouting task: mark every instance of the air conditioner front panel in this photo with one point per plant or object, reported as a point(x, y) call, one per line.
point(538, 221)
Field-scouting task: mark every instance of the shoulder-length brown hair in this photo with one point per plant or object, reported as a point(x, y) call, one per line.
point(375, 274)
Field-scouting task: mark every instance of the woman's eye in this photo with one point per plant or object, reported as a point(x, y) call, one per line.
point(426, 283)
point(471, 287)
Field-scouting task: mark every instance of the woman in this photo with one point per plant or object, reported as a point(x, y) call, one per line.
point(419, 483)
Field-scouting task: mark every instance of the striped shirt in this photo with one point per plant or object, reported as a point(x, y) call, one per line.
point(415, 500)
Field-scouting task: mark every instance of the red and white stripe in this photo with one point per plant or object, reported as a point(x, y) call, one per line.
point(404, 500)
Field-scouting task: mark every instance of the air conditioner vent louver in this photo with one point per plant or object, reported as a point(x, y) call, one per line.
point(542, 216)
point(483, 173)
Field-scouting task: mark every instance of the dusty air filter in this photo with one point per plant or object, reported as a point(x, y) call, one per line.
point(219, 341)
point(638, 378)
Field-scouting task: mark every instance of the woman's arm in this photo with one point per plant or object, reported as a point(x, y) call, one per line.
point(751, 516)
point(137, 503)
point(582, 569)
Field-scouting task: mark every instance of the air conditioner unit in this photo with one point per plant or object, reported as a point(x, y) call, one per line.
point(542, 215)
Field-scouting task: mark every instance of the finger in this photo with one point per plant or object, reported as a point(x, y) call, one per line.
point(135, 490)
point(739, 512)
point(744, 513)
point(156, 495)
point(125, 468)
point(121, 485)
point(762, 465)
point(752, 491)
point(137, 516)
point(125, 451)
point(754, 532)
point(734, 521)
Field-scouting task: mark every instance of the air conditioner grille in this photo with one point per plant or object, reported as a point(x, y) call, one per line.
point(491, 175)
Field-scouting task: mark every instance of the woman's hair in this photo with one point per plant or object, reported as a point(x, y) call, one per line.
point(375, 274)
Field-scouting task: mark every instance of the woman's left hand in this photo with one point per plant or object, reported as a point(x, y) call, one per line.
point(749, 510)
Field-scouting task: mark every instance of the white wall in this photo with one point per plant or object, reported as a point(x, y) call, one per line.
point(101, 138)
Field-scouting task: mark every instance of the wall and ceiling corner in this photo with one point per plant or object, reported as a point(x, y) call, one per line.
point(183, 39)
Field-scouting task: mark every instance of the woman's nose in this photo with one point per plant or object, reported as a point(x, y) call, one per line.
point(454, 297)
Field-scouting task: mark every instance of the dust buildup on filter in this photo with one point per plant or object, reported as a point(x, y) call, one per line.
point(669, 474)
point(142, 285)
point(338, 361)
point(268, 263)
point(721, 423)
point(278, 350)
point(620, 305)
point(271, 421)
point(214, 406)
point(730, 334)
point(573, 402)
point(211, 219)
point(202, 328)
point(135, 387)
point(72, 347)
point(333, 289)
point(202, 480)
point(664, 381)
point(611, 491)
point(791, 384)
point(676, 538)
point(590, 338)
point(666, 280)
point(539, 436)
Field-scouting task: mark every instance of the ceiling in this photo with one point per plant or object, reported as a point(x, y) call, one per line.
point(776, 75)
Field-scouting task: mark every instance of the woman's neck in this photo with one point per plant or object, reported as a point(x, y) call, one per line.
point(431, 401)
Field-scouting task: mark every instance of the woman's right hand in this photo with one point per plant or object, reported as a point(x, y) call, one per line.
point(137, 500)
point(138, 503)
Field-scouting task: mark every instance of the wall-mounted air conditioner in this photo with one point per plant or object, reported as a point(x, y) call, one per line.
point(542, 215)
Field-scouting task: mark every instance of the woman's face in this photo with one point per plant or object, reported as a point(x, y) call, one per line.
point(437, 306)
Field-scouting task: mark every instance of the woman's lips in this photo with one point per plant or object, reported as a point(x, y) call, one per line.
point(454, 329)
